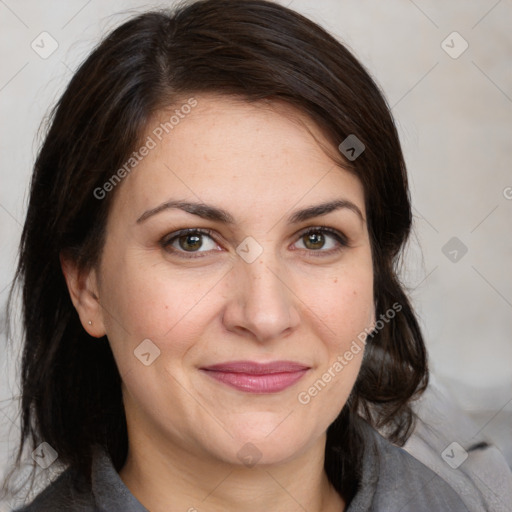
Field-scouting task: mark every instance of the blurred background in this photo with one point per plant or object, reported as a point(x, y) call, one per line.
point(445, 68)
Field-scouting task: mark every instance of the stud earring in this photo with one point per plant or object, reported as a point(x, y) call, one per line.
point(89, 322)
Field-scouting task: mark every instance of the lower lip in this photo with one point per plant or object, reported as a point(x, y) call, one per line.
point(250, 383)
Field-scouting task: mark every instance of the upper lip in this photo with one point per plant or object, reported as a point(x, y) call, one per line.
point(255, 368)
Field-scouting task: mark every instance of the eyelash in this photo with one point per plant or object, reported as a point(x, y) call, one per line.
point(169, 239)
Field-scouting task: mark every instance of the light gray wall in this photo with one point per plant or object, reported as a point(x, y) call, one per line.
point(454, 117)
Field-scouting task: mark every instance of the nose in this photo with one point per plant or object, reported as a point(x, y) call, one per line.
point(262, 305)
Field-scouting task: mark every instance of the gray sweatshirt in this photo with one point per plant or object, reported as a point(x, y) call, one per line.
point(391, 481)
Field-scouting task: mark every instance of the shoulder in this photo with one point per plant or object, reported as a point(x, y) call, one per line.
point(407, 482)
point(392, 479)
point(72, 493)
point(66, 494)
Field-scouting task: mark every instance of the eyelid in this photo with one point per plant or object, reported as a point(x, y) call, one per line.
point(342, 238)
point(166, 241)
point(339, 236)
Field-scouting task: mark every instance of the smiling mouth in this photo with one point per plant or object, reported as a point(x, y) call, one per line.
point(253, 377)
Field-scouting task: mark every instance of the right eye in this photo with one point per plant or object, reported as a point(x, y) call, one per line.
point(187, 241)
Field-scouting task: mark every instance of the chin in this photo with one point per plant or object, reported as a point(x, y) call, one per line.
point(274, 445)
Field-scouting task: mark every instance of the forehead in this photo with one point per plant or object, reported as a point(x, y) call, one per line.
point(227, 149)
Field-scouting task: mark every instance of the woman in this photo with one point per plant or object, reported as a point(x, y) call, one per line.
point(212, 312)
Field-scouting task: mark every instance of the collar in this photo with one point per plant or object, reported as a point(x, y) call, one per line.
point(110, 492)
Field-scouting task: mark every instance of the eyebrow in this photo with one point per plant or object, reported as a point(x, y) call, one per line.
point(220, 215)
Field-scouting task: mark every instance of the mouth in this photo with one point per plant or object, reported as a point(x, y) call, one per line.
point(253, 377)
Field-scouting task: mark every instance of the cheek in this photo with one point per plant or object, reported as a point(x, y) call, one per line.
point(343, 313)
point(343, 305)
point(140, 303)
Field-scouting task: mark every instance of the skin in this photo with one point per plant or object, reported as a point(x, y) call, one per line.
point(298, 301)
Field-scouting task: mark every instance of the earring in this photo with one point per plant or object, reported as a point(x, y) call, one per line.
point(89, 322)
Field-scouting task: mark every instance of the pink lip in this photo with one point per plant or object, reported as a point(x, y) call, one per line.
point(253, 377)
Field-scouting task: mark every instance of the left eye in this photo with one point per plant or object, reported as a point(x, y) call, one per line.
point(316, 239)
point(189, 241)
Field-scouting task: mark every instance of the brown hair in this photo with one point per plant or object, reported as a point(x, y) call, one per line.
point(256, 49)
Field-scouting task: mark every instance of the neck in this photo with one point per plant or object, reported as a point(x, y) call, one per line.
point(161, 476)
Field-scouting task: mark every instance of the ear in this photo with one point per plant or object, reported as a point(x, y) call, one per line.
point(83, 290)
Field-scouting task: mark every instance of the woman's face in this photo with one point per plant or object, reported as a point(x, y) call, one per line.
point(222, 337)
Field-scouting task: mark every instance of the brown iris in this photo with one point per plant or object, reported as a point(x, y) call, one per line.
point(191, 242)
point(314, 240)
